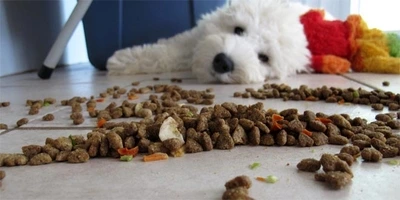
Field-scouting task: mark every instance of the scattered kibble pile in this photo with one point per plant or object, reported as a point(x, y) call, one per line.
point(324, 93)
point(221, 126)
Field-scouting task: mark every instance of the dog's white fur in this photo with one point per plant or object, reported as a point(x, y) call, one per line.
point(271, 27)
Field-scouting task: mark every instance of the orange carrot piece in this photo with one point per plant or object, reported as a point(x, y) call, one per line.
point(307, 132)
point(276, 126)
point(341, 102)
point(258, 178)
point(155, 157)
point(323, 120)
point(101, 122)
point(311, 98)
point(133, 97)
point(125, 151)
point(100, 100)
point(276, 117)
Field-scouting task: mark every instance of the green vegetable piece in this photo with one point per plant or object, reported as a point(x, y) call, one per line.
point(126, 158)
point(393, 162)
point(356, 94)
point(271, 179)
point(46, 104)
point(72, 140)
point(190, 114)
point(254, 165)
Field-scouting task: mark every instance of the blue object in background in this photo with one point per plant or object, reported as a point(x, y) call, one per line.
point(114, 24)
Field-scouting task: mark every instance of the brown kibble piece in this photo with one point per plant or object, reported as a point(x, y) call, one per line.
point(206, 142)
point(173, 144)
point(371, 155)
point(394, 106)
point(40, 159)
point(31, 150)
point(349, 159)
point(389, 151)
point(340, 121)
point(191, 146)
point(319, 138)
point(383, 117)
point(115, 140)
point(78, 156)
point(305, 140)
point(309, 165)
point(328, 162)
point(385, 83)
point(63, 144)
point(254, 136)
point(317, 126)
point(238, 193)
point(393, 124)
point(378, 144)
point(335, 179)
point(267, 140)
point(2, 174)
point(3, 126)
point(48, 117)
point(352, 150)
point(239, 181)
point(246, 124)
point(22, 121)
point(377, 106)
point(52, 151)
point(14, 160)
point(224, 141)
point(281, 138)
point(362, 144)
point(62, 156)
point(5, 104)
point(338, 140)
point(239, 136)
point(157, 147)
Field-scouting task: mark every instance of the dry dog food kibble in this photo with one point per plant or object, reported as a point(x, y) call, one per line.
point(3, 126)
point(371, 155)
point(48, 117)
point(385, 83)
point(223, 126)
point(22, 121)
point(237, 188)
point(334, 179)
point(309, 165)
point(2, 174)
point(5, 104)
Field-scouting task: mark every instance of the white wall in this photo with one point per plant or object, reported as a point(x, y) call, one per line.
point(75, 51)
point(29, 28)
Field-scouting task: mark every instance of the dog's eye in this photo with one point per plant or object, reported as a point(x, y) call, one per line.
point(263, 58)
point(238, 30)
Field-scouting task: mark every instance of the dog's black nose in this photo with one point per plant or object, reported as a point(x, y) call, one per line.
point(222, 63)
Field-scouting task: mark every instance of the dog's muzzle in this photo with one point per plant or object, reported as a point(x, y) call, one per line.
point(222, 63)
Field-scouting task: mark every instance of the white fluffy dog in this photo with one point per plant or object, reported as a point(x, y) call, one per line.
point(245, 41)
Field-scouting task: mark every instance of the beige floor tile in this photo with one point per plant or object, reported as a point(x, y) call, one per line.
point(376, 80)
point(194, 176)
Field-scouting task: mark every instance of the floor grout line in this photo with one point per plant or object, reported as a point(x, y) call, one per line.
point(360, 82)
point(48, 128)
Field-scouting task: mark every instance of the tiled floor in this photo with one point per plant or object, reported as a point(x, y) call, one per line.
point(194, 176)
